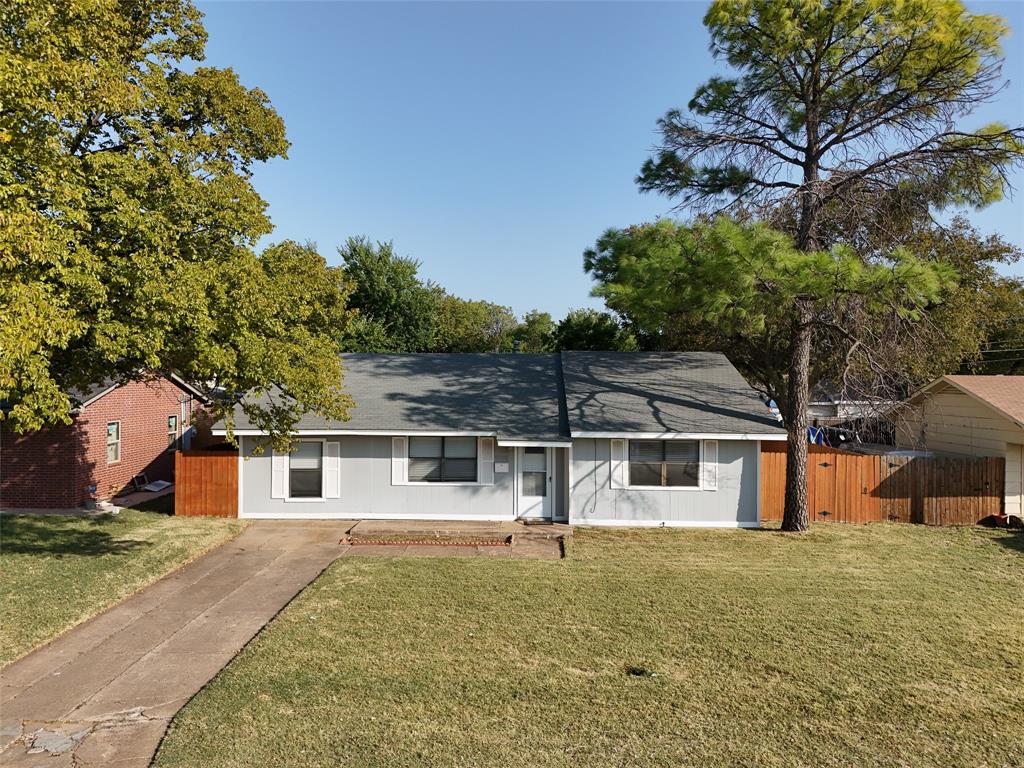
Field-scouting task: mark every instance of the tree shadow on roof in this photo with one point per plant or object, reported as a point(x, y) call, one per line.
point(681, 392)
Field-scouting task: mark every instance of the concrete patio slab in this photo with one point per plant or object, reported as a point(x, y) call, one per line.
point(104, 693)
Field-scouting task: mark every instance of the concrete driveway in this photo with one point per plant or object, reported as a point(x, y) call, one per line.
point(104, 693)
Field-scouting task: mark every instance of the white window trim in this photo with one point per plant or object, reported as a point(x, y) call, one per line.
point(700, 473)
point(172, 447)
point(117, 442)
point(323, 475)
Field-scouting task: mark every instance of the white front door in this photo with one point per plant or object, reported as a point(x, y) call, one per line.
point(535, 483)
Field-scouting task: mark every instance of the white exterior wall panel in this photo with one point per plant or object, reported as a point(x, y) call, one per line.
point(732, 504)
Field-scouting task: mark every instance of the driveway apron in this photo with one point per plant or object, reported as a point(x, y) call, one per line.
point(104, 692)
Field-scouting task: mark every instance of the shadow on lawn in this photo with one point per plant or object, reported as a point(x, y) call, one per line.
point(62, 536)
point(1014, 541)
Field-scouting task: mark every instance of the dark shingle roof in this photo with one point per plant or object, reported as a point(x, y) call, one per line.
point(87, 394)
point(543, 397)
point(657, 392)
point(514, 396)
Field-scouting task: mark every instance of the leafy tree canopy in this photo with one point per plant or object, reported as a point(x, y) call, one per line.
point(590, 329)
point(395, 309)
point(462, 325)
point(535, 333)
point(741, 277)
point(128, 219)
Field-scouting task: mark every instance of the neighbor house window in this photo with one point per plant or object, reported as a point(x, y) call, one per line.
point(442, 459)
point(172, 432)
point(664, 463)
point(306, 470)
point(113, 442)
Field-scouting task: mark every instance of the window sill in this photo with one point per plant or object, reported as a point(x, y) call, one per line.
point(446, 483)
point(304, 498)
point(664, 488)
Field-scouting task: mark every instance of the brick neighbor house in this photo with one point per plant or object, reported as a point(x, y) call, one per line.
point(118, 432)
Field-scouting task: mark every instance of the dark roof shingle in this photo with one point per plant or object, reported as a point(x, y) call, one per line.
point(661, 392)
point(546, 397)
point(511, 395)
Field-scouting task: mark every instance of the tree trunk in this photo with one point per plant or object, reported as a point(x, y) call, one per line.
point(795, 517)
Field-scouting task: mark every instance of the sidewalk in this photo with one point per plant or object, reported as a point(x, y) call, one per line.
point(104, 693)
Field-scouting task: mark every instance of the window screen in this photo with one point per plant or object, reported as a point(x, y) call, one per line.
point(305, 470)
point(442, 459)
point(665, 463)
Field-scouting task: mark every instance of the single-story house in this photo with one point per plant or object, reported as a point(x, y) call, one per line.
point(599, 438)
point(118, 431)
point(971, 416)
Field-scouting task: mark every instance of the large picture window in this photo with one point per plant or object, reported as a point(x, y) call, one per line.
point(664, 463)
point(442, 460)
point(306, 470)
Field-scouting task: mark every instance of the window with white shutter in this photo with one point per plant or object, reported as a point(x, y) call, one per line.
point(399, 459)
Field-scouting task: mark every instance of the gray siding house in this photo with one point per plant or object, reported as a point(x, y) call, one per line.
point(589, 438)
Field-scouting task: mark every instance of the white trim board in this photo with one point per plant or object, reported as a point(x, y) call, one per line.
point(533, 444)
point(680, 435)
point(517, 443)
point(614, 522)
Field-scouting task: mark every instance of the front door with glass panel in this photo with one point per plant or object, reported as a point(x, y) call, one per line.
point(534, 483)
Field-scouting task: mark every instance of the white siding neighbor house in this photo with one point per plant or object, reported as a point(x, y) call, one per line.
point(971, 416)
point(592, 438)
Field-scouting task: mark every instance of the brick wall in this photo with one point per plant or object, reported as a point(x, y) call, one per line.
point(56, 467)
point(40, 469)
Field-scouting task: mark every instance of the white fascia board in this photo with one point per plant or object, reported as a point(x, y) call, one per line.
point(682, 435)
point(534, 443)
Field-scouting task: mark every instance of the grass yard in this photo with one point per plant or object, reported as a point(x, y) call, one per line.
point(58, 571)
point(880, 645)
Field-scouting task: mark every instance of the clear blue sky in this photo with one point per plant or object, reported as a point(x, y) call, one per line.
point(494, 142)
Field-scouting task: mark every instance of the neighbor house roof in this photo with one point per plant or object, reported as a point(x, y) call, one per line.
point(1005, 394)
point(549, 397)
point(84, 396)
point(612, 393)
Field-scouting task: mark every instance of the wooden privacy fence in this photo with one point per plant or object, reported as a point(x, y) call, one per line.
point(206, 483)
point(854, 488)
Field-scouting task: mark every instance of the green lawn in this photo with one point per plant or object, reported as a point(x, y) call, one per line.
point(58, 571)
point(881, 645)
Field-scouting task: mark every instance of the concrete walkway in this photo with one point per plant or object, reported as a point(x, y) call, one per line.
point(104, 693)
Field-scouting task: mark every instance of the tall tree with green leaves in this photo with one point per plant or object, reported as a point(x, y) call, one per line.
point(745, 279)
point(128, 220)
point(840, 114)
point(395, 310)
